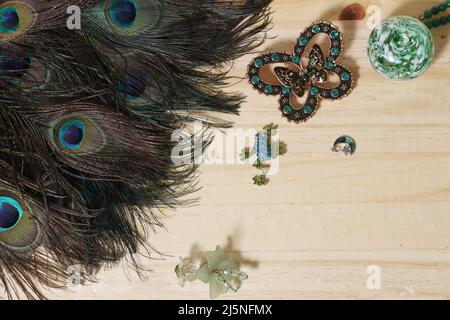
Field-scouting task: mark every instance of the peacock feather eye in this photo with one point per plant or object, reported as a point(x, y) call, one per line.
point(123, 13)
point(131, 17)
point(10, 213)
point(15, 19)
point(76, 135)
point(14, 68)
point(71, 134)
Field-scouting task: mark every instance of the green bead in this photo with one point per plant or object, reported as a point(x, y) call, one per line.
point(427, 14)
point(286, 90)
point(335, 93)
point(335, 51)
point(443, 6)
point(401, 48)
point(287, 109)
point(314, 91)
point(303, 40)
point(255, 80)
point(442, 20)
point(275, 57)
point(259, 63)
point(295, 59)
point(435, 10)
point(435, 22)
point(345, 76)
point(448, 4)
point(329, 65)
point(334, 34)
point(448, 18)
point(316, 29)
point(268, 89)
point(307, 108)
point(429, 24)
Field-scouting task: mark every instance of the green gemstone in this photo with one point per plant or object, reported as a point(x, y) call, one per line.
point(448, 4)
point(275, 57)
point(255, 80)
point(259, 63)
point(268, 89)
point(335, 93)
point(435, 10)
point(443, 6)
point(345, 76)
point(329, 65)
point(335, 51)
point(401, 48)
point(316, 29)
point(442, 20)
point(303, 40)
point(295, 59)
point(287, 109)
point(334, 34)
point(286, 90)
point(427, 14)
point(307, 109)
point(314, 91)
point(429, 24)
point(435, 22)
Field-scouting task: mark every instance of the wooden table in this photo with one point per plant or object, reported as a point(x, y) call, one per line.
point(324, 218)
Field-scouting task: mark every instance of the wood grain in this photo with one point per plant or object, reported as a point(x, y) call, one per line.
point(324, 218)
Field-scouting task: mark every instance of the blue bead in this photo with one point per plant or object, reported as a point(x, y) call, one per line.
point(275, 57)
point(287, 109)
point(286, 90)
point(259, 63)
point(335, 93)
point(303, 40)
point(314, 91)
point(335, 51)
point(334, 34)
point(307, 109)
point(345, 76)
point(295, 59)
point(268, 89)
point(255, 80)
point(316, 29)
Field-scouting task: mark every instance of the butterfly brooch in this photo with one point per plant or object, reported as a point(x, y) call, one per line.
point(294, 79)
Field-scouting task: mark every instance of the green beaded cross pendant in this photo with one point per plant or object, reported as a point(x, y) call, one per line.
point(311, 78)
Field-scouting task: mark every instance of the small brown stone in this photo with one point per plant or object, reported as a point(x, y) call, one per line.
point(354, 11)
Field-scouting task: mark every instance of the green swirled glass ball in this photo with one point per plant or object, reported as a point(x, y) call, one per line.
point(401, 48)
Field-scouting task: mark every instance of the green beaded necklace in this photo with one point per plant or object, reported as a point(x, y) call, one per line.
point(434, 23)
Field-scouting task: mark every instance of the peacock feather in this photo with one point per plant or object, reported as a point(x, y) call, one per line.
point(86, 123)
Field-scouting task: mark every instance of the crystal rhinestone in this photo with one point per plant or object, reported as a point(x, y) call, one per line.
point(401, 48)
point(286, 90)
point(255, 80)
point(259, 63)
point(275, 57)
point(303, 40)
point(345, 76)
point(335, 51)
point(335, 93)
point(334, 34)
point(268, 89)
point(287, 109)
point(295, 59)
point(307, 108)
